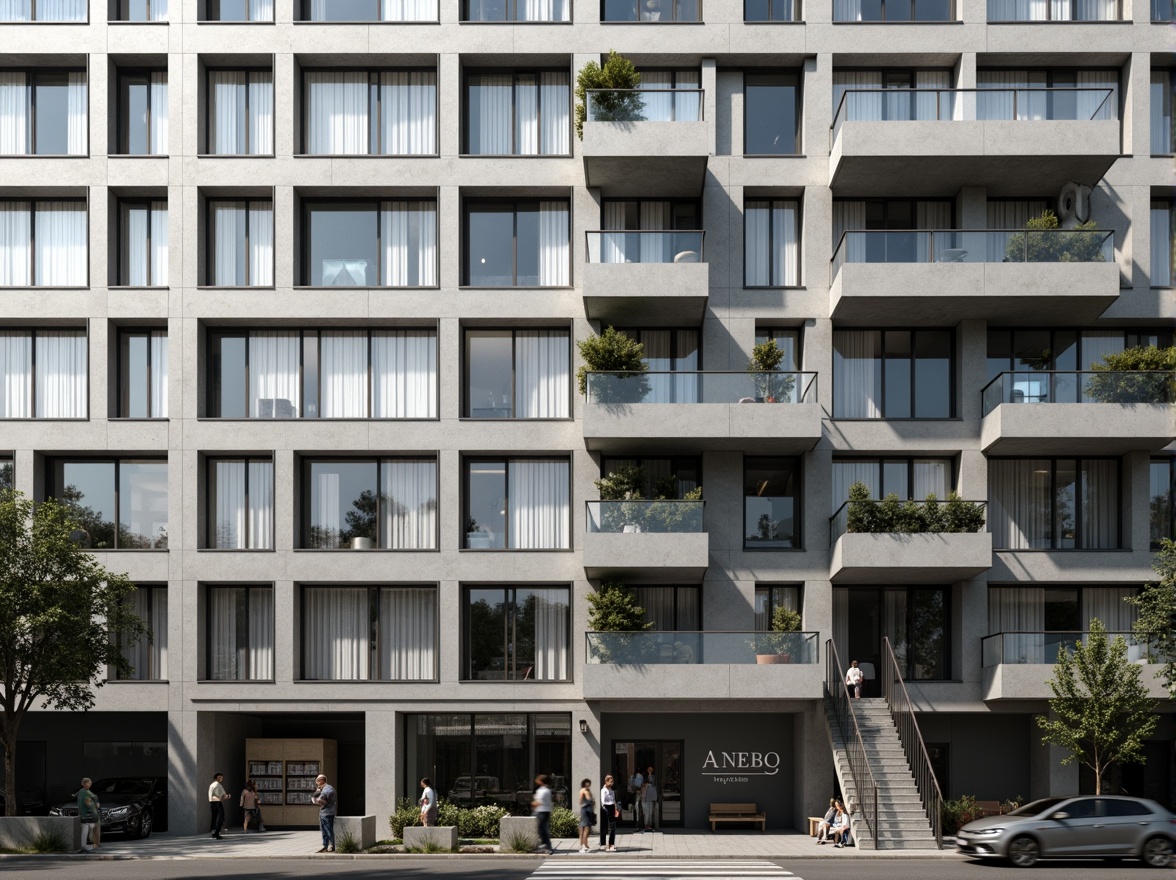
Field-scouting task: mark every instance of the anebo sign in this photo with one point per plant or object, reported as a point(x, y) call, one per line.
point(724, 763)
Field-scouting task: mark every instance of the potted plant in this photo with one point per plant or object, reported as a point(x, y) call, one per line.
point(613, 352)
point(477, 538)
point(619, 102)
point(1143, 374)
point(765, 360)
point(613, 609)
point(1043, 242)
point(776, 642)
point(624, 484)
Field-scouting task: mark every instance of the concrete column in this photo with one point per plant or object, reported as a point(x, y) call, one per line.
point(972, 347)
point(1136, 79)
point(817, 106)
point(814, 763)
point(966, 71)
point(383, 758)
point(287, 117)
point(972, 207)
point(710, 100)
point(449, 104)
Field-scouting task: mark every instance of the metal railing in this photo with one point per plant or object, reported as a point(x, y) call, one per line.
point(972, 105)
point(663, 516)
point(902, 712)
point(646, 246)
point(643, 105)
point(851, 736)
point(698, 387)
point(949, 516)
point(688, 647)
point(973, 246)
point(1079, 386)
point(1045, 647)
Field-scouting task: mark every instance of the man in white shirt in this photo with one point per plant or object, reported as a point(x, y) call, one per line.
point(216, 803)
point(853, 678)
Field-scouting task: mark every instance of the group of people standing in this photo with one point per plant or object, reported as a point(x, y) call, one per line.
point(250, 802)
point(644, 793)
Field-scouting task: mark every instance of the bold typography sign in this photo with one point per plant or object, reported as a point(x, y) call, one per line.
point(727, 767)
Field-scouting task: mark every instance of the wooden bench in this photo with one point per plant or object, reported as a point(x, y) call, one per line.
point(737, 813)
point(814, 821)
point(987, 808)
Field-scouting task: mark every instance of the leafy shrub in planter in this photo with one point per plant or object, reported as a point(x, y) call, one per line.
point(955, 814)
point(865, 515)
point(1134, 375)
point(1043, 242)
point(471, 822)
point(614, 352)
point(564, 823)
point(621, 105)
point(765, 361)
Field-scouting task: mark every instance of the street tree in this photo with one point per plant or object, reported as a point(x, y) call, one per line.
point(1156, 624)
point(65, 620)
point(1100, 711)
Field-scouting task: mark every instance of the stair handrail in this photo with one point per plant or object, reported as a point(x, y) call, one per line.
point(902, 713)
point(855, 749)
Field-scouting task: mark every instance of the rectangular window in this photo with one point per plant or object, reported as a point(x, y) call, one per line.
point(1163, 87)
point(369, 10)
point(43, 244)
point(1163, 242)
point(665, 477)
point(120, 504)
point(7, 474)
point(892, 224)
point(1162, 500)
point(369, 633)
point(771, 114)
point(1038, 620)
point(388, 503)
point(142, 374)
point(1054, 504)
point(517, 244)
point(648, 231)
point(240, 633)
point(770, 597)
point(149, 655)
point(517, 374)
point(893, 374)
point(908, 478)
point(787, 340)
point(518, 114)
point(239, 10)
point(516, 10)
point(370, 243)
point(44, 374)
point(1046, 359)
point(519, 633)
point(241, 112)
point(893, 10)
point(142, 252)
point(241, 243)
point(44, 113)
point(240, 504)
point(141, 10)
point(681, 11)
point(43, 10)
point(378, 113)
point(142, 108)
point(674, 359)
point(1054, 10)
point(1078, 95)
point(771, 243)
point(670, 95)
point(771, 503)
point(771, 10)
point(671, 609)
point(916, 620)
point(330, 374)
point(1163, 10)
point(517, 504)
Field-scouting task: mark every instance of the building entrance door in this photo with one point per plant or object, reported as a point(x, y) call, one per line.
point(665, 757)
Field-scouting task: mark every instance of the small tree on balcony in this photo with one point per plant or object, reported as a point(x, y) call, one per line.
point(765, 361)
point(618, 102)
point(1156, 624)
point(614, 352)
point(614, 608)
point(1044, 242)
point(1135, 375)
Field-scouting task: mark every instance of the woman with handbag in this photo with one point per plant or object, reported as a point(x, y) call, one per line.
point(609, 813)
point(587, 813)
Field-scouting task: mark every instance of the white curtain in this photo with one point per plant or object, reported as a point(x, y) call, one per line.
point(241, 649)
point(61, 375)
point(343, 363)
point(657, 100)
point(930, 475)
point(933, 105)
point(61, 10)
point(244, 505)
point(542, 380)
point(62, 258)
point(659, 360)
point(149, 656)
point(159, 238)
point(260, 121)
point(408, 634)
point(16, 10)
point(859, 106)
point(846, 473)
point(1018, 10)
point(261, 505)
point(1019, 503)
point(159, 10)
point(235, 264)
point(1086, 10)
point(15, 244)
point(493, 98)
point(544, 10)
point(15, 112)
point(260, 657)
point(771, 244)
point(1161, 244)
point(337, 643)
point(408, 10)
point(929, 216)
point(145, 237)
point(1108, 605)
point(612, 242)
point(157, 136)
point(553, 244)
point(1012, 94)
point(76, 127)
point(1100, 504)
point(404, 374)
point(539, 505)
point(16, 374)
point(1093, 100)
point(274, 390)
point(554, 109)
point(655, 216)
point(1020, 613)
point(242, 112)
point(408, 121)
point(158, 389)
point(261, 244)
point(261, 10)
point(552, 641)
point(1008, 215)
point(410, 243)
point(847, 10)
point(856, 374)
point(337, 113)
point(850, 217)
point(408, 492)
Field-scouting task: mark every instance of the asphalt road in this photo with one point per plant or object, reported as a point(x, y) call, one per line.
point(520, 869)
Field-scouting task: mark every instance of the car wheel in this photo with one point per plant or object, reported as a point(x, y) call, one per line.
point(144, 825)
point(1157, 852)
point(1024, 852)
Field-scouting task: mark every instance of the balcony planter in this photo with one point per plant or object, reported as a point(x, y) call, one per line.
point(361, 544)
point(631, 529)
point(764, 659)
point(478, 540)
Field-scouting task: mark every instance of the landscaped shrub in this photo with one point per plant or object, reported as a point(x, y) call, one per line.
point(955, 814)
point(866, 515)
point(1135, 375)
point(564, 823)
point(475, 822)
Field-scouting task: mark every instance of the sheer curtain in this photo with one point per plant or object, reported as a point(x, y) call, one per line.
point(933, 105)
point(857, 374)
point(261, 505)
point(849, 217)
point(1109, 605)
point(157, 136)
point(1019, 504)
point(1161, 244)
point(539, 505)
point(1019, 610)
point(404, 374)
point(860, 106)
point(235, 263)
point(61, 10)
point(552, 641)
point(16, 374)
point(158, 389)
point(930, 475)
point(544, 10)
point(61, 374)
point(16, 10)
point(159, 239)
point(553, 244)
point(1093, 100)
point(1018, 10)
point(847, 10)
point(241, 633)
point(1009, 215)
point(612, 242)
point(343, 365)
point(242, 112)
point(658, 103)
point(15, 112)
point(554, 110)
point(542, 380)
point(274, 390)
point(408, 101)
point(930, 216)
point(149, 656)
point(261, 244)
point(337, 646)
point(408, 634)
point(337, 113)
point(144, 229)
point(846, 473)
point(408, 491)
point(1100, 504)
point(659, 361)
point(408, 10)
point(244, 518)
point(260, 121)
point(410, 243)
point(261, 10)
point(658, 603)
point(771, 244)
point(491, 107)
point(62, 258)
point(655, 216)
point(76, 115)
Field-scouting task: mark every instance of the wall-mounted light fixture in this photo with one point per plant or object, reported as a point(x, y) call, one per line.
point(583, 726)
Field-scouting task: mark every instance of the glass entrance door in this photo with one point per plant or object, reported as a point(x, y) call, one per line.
point(637, 756)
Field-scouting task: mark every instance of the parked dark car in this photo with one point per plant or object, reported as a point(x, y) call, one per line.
point(132, 805)
point(30, 802)
point(1075, 828)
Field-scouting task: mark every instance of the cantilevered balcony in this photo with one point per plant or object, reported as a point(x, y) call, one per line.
point(645, 142)
point(1011, 141)
point(690, 412)
point(634, 278)
point(662, 540)
point(703, 665)
point(1078, 413)
point(1019, 665)
point(943, 276)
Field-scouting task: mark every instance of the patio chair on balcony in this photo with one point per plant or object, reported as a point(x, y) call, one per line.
point(686, 257)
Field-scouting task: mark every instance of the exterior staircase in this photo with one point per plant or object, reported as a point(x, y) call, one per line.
point(902, 821)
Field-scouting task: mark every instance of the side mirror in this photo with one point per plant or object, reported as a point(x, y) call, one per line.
point(1060, 816)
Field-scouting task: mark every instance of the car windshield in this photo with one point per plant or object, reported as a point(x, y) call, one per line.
point(1032, 809)
point(121, 786)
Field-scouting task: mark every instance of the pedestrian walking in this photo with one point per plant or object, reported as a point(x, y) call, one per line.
point(325, 797)
point(587, 813)
point(636, 781)
point(649, 799)
point(428, 803)
point(541, 807)
point(608, 816)
point(216, 803)
point(90, 816)
point(853, 678)
point(250, 804)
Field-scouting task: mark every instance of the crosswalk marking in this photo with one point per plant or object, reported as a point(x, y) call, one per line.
point(589, 866)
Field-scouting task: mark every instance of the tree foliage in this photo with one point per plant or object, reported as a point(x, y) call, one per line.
point(614, 608)
point(1100, 711)
point(614, 352)
point(1043, 242)
point(765, 360)
point(1156, 624)
point(930, 516)
point(65, 619)
point(1143, 374)
point(621, 103)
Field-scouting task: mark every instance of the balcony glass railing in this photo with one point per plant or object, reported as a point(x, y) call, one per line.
point(893, 11)
point(974, 246)
point(973, 105)
point(650, 387)
point(1046, 647)
point(654, 246)
point(940, 517)
point(648, 648)
point(644, 105)
point(1085, 386)
point(652, 11)
point(657, 517)
point(1054, 10)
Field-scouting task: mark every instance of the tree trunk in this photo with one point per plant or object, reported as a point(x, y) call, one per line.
point(10, 770)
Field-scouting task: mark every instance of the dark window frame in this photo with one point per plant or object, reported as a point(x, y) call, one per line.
point(675, 354)
point(910, 589)
point(1165, 334)
point(209, 118)
point(888, 203)
point(34, 20)
point(515, 204)
point(767, 588)
point(1049, 16)
point(208, 8)
point(797, 14)
point(510, 15)
point(248, 588)
point(7, 472)
point(674, 19)
point(467, 365)
point(1069, 77)
point(128, 76)
point(908, 460)
point(506, 461)
point(152, 590)
point(674, 201)
point(121, 367)
point(952, 15)
point(509, 594)
point(122, 13)
point(210, 240)
point(953, 395)
point(122, 244)
point(32, 333)
point(1170, 205)
point(1170, 463)
point(798, 512)
point(52, 464)
point(309, 204)
point(304, 15)
point(375, 108)
point(798, 86)
point(210, 500)
point(772, 201)
point(32, 74)
point(694, 460)
point(515, 73)
point(782, 331)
